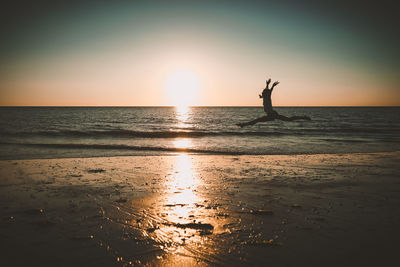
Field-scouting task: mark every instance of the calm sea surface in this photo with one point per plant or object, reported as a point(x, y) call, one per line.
point(110, 131)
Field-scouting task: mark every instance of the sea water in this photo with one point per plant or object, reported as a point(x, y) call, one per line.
point(56, 132)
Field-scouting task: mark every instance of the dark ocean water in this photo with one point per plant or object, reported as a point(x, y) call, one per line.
point(55, 132)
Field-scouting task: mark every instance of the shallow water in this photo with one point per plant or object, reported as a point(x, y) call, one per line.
point(55, 132)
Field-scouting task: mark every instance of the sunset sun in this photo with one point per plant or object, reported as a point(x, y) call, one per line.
point(182, 87)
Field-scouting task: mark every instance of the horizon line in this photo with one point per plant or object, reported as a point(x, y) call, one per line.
point(165, 106)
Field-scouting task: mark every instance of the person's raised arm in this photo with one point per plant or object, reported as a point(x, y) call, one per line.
point(274, 84)
point(268, 82)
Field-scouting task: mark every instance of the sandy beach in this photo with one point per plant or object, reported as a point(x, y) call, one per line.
point(185, 210)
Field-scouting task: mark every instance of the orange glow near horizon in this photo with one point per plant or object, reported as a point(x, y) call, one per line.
point(215, 84)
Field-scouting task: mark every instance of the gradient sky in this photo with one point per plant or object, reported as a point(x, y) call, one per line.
point(336, 53)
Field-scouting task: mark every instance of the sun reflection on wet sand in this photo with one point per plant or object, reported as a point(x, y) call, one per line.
point(188, 222)
point(181, 194)
point(181, 201)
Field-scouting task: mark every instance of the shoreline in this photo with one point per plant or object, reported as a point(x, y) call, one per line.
point(174, 154)
point(206, 210)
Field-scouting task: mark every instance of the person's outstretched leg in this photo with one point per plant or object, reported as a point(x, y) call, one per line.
point(261, 119)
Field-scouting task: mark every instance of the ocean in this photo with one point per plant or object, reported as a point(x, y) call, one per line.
point(59, 132)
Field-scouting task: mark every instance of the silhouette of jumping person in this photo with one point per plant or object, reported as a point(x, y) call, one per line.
point(271, 114)
point(266, 96)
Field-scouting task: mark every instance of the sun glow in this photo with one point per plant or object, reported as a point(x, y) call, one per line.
point(182, 87)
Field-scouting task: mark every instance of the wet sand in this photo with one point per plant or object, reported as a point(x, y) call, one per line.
point(185, 210)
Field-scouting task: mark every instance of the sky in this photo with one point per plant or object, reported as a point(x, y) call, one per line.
point(212, 53)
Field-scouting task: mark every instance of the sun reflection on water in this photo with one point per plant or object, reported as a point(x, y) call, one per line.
point(182, 116)
point(182, 143)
